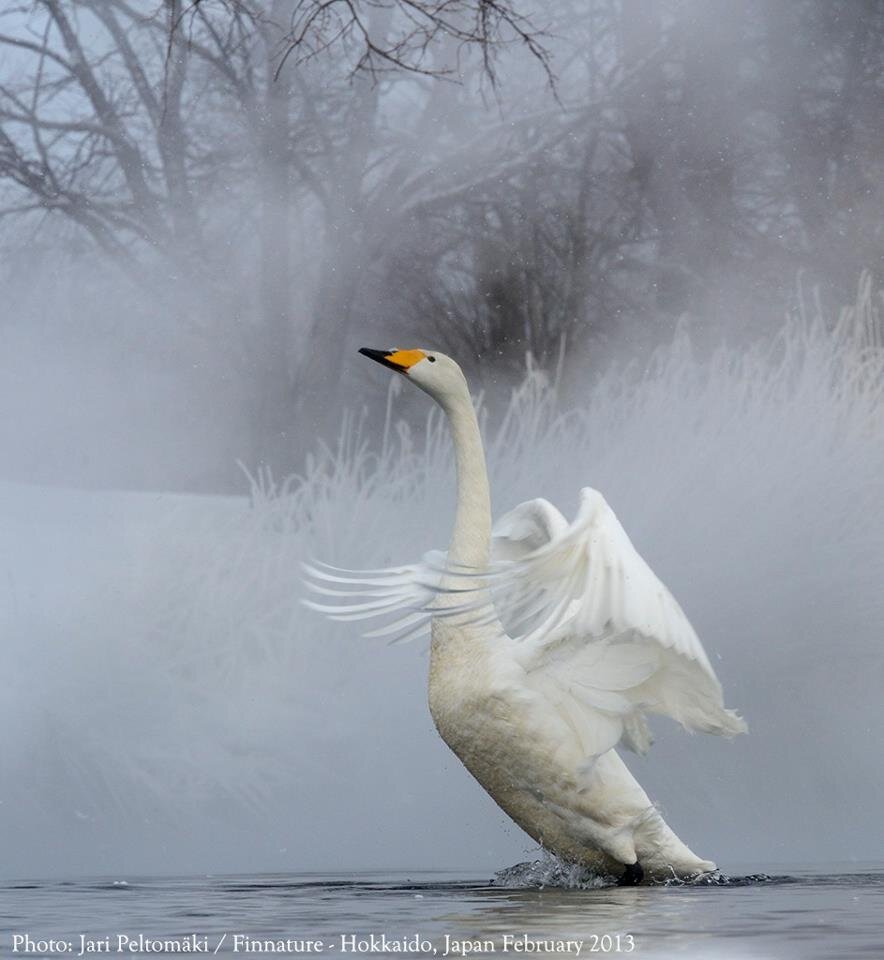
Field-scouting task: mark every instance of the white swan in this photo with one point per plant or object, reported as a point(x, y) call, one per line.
point(593, 642)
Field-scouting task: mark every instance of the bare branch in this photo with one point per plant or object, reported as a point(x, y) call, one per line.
point(418, 27)
point(130, 158)
point(40, 49)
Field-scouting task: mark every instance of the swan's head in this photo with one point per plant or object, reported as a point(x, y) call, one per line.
point(435, 373)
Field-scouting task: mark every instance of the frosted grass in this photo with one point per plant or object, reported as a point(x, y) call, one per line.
point(199, 692)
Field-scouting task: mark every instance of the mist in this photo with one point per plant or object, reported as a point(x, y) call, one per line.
point(652, 239)
point(175, 708)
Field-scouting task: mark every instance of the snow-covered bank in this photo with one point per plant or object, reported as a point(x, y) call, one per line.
point(168, 705)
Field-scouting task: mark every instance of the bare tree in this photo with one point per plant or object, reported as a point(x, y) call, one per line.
point(132, 138)
point(537, 257)
point(118, 138)
point(338, 60)
point(755, 159)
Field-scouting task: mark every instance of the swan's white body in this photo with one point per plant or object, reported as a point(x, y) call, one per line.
point(535, 715)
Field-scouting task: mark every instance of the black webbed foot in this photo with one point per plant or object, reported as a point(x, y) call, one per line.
point(632, 875)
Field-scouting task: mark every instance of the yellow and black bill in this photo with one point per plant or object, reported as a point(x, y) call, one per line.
point(399, 360)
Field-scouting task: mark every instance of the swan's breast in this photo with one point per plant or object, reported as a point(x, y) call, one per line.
point(485, 710)
point(525, 754)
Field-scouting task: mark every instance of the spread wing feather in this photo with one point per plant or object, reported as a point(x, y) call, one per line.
point(597, 634)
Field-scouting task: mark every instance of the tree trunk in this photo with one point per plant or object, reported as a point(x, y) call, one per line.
point(273, 412)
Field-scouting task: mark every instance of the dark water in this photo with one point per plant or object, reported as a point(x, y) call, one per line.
point(806, 913)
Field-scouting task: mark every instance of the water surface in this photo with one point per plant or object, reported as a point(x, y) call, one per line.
point(810, 912)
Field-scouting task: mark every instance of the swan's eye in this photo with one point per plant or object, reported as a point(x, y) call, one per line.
point(431, 359)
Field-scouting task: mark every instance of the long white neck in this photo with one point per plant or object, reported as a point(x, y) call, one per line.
point(459, 641)
point(471, 538)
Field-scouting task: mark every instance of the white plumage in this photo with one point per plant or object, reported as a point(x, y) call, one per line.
point(550, 644)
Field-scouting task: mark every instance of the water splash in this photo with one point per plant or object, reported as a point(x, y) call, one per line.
point(549, 871)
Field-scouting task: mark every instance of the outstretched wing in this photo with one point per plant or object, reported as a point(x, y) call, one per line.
point(599, 631)
point(596, 633)
point(404, 595)
point(400, 596)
